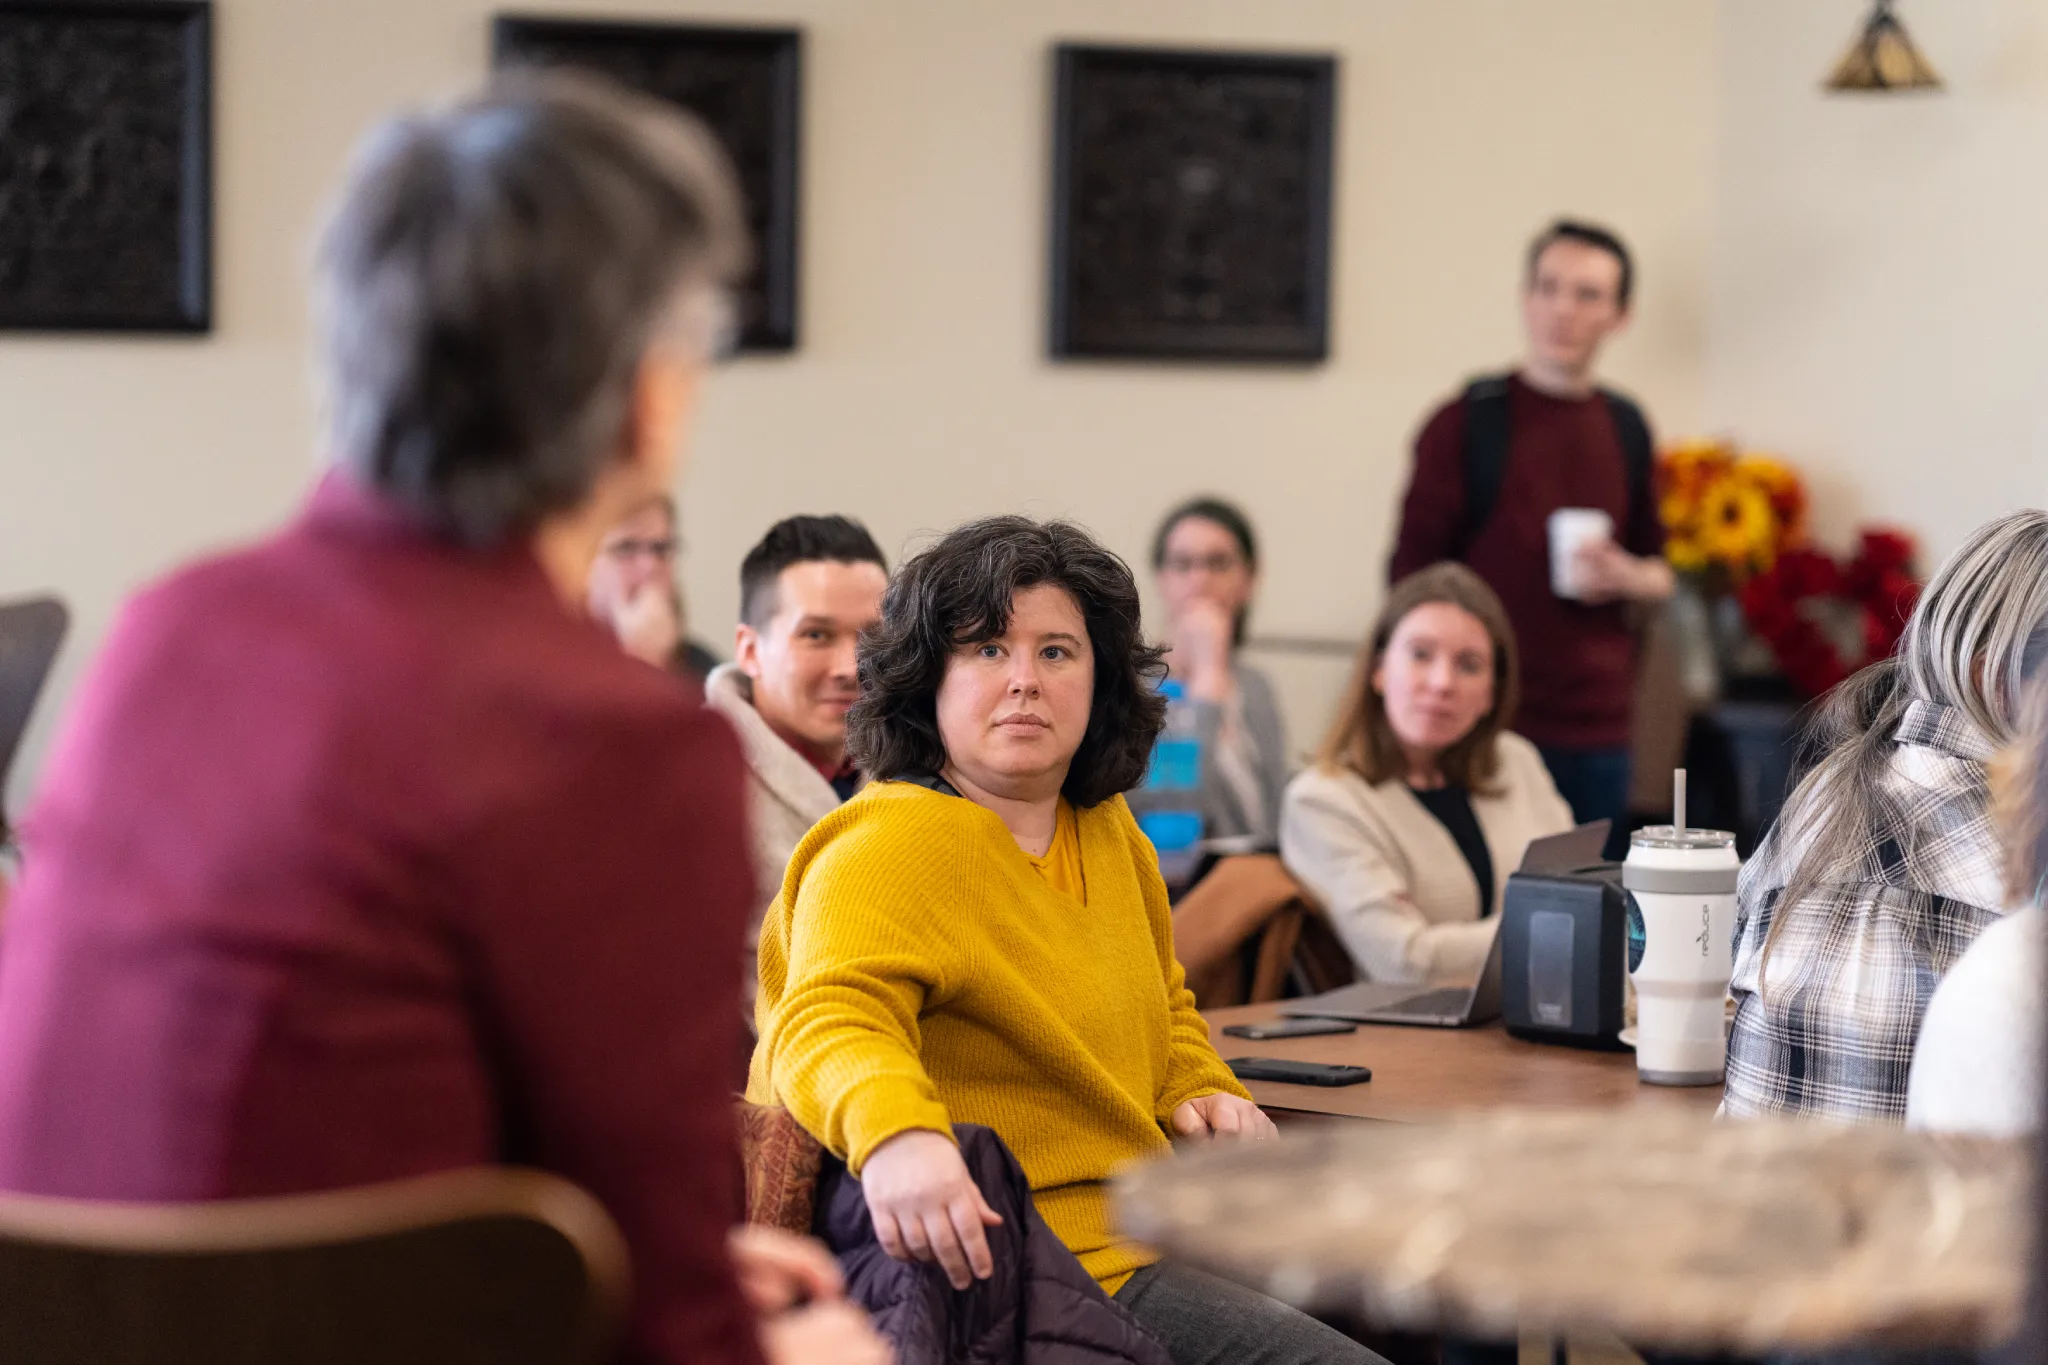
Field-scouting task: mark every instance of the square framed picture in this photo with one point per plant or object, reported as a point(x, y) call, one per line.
point(1191, 204)
point(745, 83)
point(106, 176)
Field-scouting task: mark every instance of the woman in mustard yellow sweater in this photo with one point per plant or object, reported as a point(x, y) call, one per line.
point(982, 935)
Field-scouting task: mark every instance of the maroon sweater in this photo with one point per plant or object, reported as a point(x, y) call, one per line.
point(360, 858)
point(1578, 661)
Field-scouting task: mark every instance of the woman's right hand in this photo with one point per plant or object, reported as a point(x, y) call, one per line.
point(648, 624)
point(835, 1333)
point(1201, 649)
point(926, 1207)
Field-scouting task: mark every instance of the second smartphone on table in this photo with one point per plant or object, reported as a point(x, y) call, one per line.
point(1289, 1028)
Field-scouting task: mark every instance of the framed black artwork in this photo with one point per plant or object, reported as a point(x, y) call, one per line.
point(745, 84)
point(1191, 204)
point(106, 165)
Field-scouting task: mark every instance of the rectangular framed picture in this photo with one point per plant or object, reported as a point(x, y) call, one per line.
point(745, 83)
point(1191, 204)
point(106, 175)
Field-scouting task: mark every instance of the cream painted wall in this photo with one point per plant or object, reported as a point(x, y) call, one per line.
point(1879, 309)
point(921, 395)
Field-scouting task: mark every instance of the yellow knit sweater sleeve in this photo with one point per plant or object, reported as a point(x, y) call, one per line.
point(849, 965)
point(1193, 1068)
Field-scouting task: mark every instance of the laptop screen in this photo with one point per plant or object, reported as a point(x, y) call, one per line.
point(1567, 852)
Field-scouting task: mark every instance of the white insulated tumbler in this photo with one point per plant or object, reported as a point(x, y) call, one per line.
point(1681, 912)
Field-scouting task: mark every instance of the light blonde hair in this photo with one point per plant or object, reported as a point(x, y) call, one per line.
point(1966, 647)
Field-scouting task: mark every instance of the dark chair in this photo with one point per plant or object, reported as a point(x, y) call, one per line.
point(30, 633)
point(1743, 758)
point(497, 1265)
point(1274, 960)
point(1320, 961)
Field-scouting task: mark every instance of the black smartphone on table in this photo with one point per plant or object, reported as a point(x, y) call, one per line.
point(1290, 1028)
point(1297, 1073)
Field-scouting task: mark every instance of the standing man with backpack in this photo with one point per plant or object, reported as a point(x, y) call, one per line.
point(1494, 464)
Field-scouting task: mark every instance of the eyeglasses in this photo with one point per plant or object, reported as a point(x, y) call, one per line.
point(1222, 562)
point(709, 321)
point(628, 548)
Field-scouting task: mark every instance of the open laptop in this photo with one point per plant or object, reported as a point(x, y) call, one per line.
point(1374, 1002)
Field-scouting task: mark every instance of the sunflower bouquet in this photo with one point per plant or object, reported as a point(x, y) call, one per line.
point(1765, 599)
point(1727, 514)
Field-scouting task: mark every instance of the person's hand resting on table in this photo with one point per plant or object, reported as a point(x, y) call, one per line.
point(1220, 1115)
point(794, 1285)
point(926, 1207)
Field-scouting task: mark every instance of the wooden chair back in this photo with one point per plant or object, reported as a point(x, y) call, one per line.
point(781, 1161)
point(510, 1267)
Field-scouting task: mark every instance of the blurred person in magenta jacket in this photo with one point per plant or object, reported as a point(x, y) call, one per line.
point(364, 853)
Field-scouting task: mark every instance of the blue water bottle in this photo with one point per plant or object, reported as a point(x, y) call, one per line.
point(1172, 819)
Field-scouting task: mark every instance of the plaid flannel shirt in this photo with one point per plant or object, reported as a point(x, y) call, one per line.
point(1854, 966)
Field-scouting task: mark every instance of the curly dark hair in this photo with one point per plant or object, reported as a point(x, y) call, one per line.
point(960, 592)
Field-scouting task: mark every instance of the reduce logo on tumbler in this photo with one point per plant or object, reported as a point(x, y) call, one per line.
point(1637, 936)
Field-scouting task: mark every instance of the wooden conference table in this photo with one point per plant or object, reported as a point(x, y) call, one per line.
point(1634, 1214)
point(1428, 1072)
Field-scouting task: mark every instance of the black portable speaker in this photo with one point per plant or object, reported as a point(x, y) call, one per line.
point(1563, 956)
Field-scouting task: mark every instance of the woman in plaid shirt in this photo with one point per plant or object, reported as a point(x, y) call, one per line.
point(1884, 865)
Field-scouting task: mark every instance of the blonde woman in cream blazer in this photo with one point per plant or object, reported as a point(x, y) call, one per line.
point(1418, 757)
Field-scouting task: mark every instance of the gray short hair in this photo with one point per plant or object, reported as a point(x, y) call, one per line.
point(492, 277)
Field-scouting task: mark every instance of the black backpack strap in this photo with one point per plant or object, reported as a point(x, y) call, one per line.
point(1487, 436)
point(1639, 461)
point(1486, 455)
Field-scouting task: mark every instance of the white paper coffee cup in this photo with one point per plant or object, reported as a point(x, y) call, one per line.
point(1572, 529)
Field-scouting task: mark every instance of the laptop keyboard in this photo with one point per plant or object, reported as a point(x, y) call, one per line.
point(1448, 1000)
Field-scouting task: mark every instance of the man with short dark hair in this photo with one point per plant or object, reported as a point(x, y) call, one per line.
point(1494, 464)
point(806, 592)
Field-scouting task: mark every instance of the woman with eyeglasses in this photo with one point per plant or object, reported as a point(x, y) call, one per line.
point(1205, 559)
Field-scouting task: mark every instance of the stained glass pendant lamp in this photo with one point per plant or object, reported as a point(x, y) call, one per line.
point(1883, 58)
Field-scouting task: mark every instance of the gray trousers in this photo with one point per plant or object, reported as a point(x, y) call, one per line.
point(1203, 1320)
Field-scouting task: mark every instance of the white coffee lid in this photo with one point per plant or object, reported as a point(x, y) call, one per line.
point(1670, 836)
